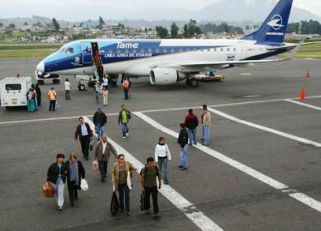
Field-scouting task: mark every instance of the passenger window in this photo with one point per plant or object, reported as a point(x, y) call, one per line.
point(134, 51)
point(13, 87)
point(172, 50)
point(234, 49)
point(228, 49)
point(69, 50)
point(150, 50)
point(142, 51)
point(157, 50)
point(222, 49)
point(214, 49)
point(165, 50)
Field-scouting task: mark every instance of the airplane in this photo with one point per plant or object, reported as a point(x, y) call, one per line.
point(168, 61)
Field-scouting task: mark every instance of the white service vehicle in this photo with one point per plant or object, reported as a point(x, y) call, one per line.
point(13, 91)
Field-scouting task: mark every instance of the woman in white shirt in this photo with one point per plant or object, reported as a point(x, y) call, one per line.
point(162, 156)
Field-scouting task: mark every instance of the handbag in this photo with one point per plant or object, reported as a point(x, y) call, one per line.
point(48, 190)
point(84, 185)
point(114, 204)
point(142, 202)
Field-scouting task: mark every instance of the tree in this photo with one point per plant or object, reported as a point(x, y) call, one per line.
point(1, 24)
point(162, 32)
point(25, 24)
point(11, 26)
point(186, 31)
point(101, 23)
point(174, 30)
point(55, 24)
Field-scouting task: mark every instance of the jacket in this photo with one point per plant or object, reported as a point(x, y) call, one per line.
point(81, 172)
point(183, 138)
point(100, 118)
point(115, 173)
point(207, 119)
point(53, 172)
point(100, 156)
point(78, 131)
point(191, 121)
point(120, 116)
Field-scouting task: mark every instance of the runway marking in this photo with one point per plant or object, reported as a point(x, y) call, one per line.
point(186, 207)
point(301, 197)
point(245, 74)
point(266, 129)
point(159, 110)
point(303, 104)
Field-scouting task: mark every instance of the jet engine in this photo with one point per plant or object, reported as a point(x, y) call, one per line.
point(163, 76)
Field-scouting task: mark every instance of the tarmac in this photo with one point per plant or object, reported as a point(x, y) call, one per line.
point(260, 172)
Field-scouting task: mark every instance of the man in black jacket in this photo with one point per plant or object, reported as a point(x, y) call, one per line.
point(84, 133)
point(56, 175)
point(182, 143)
point(100, 119)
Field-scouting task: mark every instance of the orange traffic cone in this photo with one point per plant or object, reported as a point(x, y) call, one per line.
point(302, 94)
point(308, 74)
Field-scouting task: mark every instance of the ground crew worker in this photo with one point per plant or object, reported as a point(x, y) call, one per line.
point(125, 86)
point(191, 123)
point(67, 89)
point(52, 96)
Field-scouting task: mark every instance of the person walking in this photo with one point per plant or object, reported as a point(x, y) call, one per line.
point(97, 91)
point(103, 150)
point(121, 171)
point(123, 120)
point(38, 92)
point(100, 119)
point(52, 96)
point(105, 95)
point(30, 100)
point(125, 86)
point(206, 119)
point(162, 156)
point(84, 133)
point(191, 123)
point(67, 89)
point(183, 147)
point(35, 101)
point(75, 172)
point(105, 82)
point(56, 175)
point(149, 174)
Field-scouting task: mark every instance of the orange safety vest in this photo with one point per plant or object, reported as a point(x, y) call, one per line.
point(126, 84)
point(52, 95)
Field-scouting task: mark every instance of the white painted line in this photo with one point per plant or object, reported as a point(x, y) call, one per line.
point(266, 129)
point(186, 207)
point(243, 168)
point(303, 104)
point(161, 110)
point(307, 200)
point(312, 203)
point(245, 74)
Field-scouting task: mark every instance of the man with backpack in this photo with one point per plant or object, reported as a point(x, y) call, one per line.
point(149, 185)
point(123, 119)
point(182, 143)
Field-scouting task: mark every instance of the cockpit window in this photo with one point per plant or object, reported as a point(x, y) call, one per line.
point(69, 50)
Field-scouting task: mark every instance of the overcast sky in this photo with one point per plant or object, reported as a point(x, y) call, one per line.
point(78, 10)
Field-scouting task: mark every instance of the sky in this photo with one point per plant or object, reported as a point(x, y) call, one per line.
point(79, 10)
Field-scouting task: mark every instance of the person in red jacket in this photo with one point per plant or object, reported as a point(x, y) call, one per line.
point(191, 122)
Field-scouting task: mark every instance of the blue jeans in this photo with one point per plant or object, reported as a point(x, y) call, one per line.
point(126, 92)
point(192, 136)
point(183, 153)
point(99, 130)
point(124, 128)
point(206, 135)
point(123, 194)
point(163, 168)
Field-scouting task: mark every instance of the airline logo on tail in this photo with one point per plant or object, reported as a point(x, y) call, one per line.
point(276, 23)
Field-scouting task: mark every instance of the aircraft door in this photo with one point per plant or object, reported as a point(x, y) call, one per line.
point(87, 54)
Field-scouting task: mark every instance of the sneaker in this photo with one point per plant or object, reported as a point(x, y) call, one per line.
point(180, 166)
point(184, 169)
point(166, 182)
point(156, 216)
point(128, 214)
point(147, 212)
point(103, 179)
point(60, 208)
point(124, 137)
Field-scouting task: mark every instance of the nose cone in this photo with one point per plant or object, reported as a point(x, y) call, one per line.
point(41, 67)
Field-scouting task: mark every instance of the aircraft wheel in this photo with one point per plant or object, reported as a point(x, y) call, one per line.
point(193, 82)
point(55, 81)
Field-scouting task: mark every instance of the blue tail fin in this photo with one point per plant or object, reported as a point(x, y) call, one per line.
point(274, 27)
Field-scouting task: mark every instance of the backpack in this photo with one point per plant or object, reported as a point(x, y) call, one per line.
point(157, 170)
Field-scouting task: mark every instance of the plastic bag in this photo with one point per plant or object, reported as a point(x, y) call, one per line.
point(84, 185)
point(94, 165)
